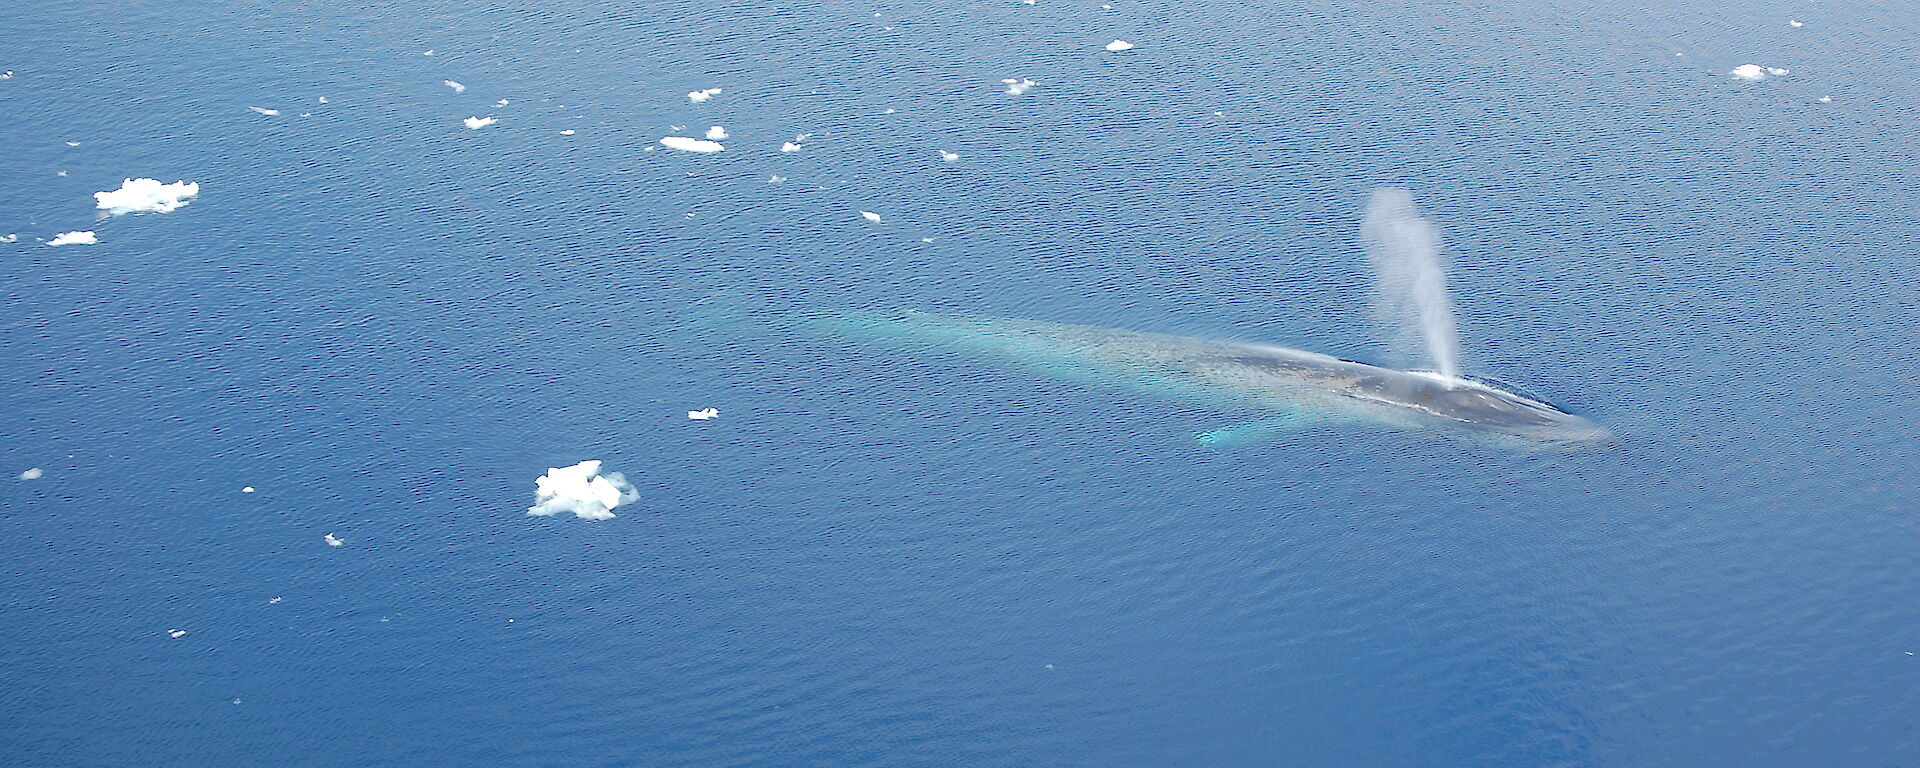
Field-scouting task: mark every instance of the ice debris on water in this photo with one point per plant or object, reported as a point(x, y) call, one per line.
point(690, 144)
point(265, 111)
point(457, 88)
point(704, 414)
point(704, 94)
point(334, 541)
point(176, 633)
point(502, 103)
point(1119, 45)
point(775, 179)
point(1017, 86)
point(477, 123)
point(74, 238)
point(716, 132)
point(582, 490)
point(870, 216)
point(9, 238)
point(567, 132)
point(247, 489)
point(145, 196)
point(33, 474)
point(949, 156)
point(1757, 72)
point(1795, 23)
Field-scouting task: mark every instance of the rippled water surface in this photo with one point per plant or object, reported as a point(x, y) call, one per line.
point(388, 324)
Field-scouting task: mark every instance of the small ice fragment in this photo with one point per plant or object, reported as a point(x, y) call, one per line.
point(176, 633)
point(1826, 99)
point(949, 156)
point(265, 111)
point(74, 238)
point(689, 144)
point(704, 94)
point(704, 414)
point(502, 103)
point(33, 474)
point(457, 88)
point(323, 99)
point(1795, 23)
point(248, 489)
point(889, 111)
point(9, 238)
point(716, 132)
point(1749, 72)
point(273, 601)
point(926, 239)
point(1119, 45)
point(145, 196)
point(790, 146)
point(1776, 71)
point(7, 75)
point(428, 53)
point(1019, 86)
point(775, 179)
point(477, 123)
point(869, 215)
point(73, 143)
point(334, 541)
point(567, 132)
point(1106, 7)
point(61, 173)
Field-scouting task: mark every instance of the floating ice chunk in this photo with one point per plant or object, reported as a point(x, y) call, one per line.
point(582, 490)
point(62, 173)
point(457, 88)
point(73, 143)
point(502, 103)
point(428, 53)
point(7, 75)
point(265, 111)
point(949, 156)
point(248, 489)
point(704, 94)
point(690, 144)
point(1019, 86)
point(1826, 99)
point(334, 541)
point(775, 179)
point(477, 123)
point(273, 601)
point(1119, 45)
point(9, 238)
point(869, 215)
point(74, 238)
point(1749, 72)
point(567, 132)
point(791, 146)
point(1776, 71)
point(716, 132)
point(1795, 23)
point(323, 99)
point(704, 414)
point(33, 474)
point(145, 195)
point(176, 633)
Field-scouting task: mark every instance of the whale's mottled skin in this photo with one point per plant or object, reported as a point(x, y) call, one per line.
point(1276, 378)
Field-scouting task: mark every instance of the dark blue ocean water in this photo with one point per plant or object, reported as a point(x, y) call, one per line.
point(389, 325)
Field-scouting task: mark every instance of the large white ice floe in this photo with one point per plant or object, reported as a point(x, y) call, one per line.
point(1757, 72)
point(1119, 45)
point(477, 123)
point(1017, 86)
point(704, 94)
point(704, 414)
point(334, 541)
point(457, 88)
point(582, 490)
point(716, 132)
point(146, 195)
point(690, 144)
point(74, 238)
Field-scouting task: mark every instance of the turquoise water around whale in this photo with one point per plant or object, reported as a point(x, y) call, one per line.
point(388, 325)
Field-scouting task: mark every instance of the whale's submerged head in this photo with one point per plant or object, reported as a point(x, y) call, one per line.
point(1483, 406)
